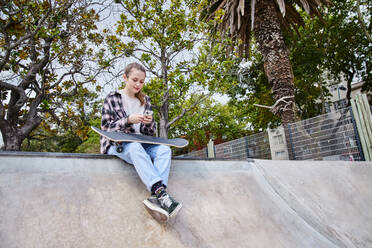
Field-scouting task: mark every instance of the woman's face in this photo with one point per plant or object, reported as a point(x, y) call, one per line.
point(134, 81)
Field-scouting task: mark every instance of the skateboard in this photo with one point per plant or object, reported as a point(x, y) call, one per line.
point(130, 137)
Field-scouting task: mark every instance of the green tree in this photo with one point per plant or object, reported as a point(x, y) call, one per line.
point(348, 50)
point(69, 131)
point(167, 38)
point(253, 88)
point(212, 120)
point(361, 20)
point(308, 56)
point(333, 45)
point(46, 55)
point(267, 19)
point(91, 144)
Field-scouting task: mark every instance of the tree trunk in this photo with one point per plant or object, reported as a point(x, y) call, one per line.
point(15, 129)
point(163, 125)
point(164, 108)
point(12, 139)
point(322, 98)
point(13, 136)
point(163, 130)
point(277, 65)
point(349, 79)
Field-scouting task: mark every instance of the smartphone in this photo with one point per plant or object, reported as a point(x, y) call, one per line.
point(148, 112)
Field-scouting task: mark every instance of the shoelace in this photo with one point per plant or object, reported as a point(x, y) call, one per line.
point(166, 200)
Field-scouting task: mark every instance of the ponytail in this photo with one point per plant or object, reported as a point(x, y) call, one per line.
point(141, 96)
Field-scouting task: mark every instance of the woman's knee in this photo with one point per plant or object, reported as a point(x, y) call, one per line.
point(134, 147)
point(165, 150)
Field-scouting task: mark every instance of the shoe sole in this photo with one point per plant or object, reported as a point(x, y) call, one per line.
point(157, 213)
point(176, 210)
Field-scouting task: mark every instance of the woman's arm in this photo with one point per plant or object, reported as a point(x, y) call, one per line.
point(110, 120)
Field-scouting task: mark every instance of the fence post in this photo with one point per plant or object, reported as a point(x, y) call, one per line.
point(363, 118)
point(278, 143)
point(291, 141)
point(1, 141)
point(211, 153)
point(246, 146)
point(357, 136)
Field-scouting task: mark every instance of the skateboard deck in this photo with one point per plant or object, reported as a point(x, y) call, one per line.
point(126, 137)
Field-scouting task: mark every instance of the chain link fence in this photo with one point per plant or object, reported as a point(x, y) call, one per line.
point(253, 146)
point(202, 153)
point(332, 136)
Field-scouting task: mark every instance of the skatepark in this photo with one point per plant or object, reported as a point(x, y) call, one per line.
point(69, 200)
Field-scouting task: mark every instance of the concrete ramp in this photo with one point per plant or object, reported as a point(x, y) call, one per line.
point(59, 200)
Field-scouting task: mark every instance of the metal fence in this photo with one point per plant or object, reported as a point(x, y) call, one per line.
point(332, 136)
point(202, 153)
point(253, 146)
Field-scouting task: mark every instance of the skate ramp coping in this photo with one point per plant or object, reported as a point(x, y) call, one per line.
point(64, 200)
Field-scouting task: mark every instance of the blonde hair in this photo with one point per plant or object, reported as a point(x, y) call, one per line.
point(127, 70)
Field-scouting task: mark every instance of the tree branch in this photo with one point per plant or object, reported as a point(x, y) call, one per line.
point(147, 67)
point(52, 113)
point(32, 34)
point(148, 51)
point(22, 95)
point(361, 21)
point(275, 105)
point(184, 111)
point(35, 68)
point(2, 108)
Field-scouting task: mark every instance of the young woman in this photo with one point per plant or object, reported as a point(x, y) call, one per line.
point(129, 111)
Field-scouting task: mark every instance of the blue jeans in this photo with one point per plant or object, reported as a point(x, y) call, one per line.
point(152, 162)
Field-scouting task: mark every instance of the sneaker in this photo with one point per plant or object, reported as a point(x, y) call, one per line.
point(169, 204)
point(153, 207)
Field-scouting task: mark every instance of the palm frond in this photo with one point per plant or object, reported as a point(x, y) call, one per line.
point(281, 4)
point(305, 5)
point(238, 23)
point(253, 3)
point(241, 7)
point(240, 12)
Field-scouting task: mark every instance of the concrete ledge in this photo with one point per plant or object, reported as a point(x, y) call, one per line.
point(54, 155)
point(91, 155)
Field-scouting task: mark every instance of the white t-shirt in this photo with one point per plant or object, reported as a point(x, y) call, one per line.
point(132, 105)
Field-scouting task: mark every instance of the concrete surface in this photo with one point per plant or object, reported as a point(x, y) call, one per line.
point(72, 201)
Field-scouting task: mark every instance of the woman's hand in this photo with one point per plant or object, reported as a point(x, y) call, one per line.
point(135, 118)
point(147, 119)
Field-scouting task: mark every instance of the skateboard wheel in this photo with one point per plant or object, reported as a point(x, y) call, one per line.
point(119, 149)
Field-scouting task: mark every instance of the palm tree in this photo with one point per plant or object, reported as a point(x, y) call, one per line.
point(267, 18)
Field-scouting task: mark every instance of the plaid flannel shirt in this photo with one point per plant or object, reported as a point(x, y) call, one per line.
point(115, 118)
